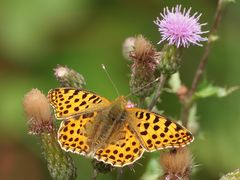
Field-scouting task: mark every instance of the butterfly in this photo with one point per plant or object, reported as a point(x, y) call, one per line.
point(109, 131)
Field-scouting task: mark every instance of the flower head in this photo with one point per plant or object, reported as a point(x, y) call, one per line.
point(130, 104)
point(128, 47)
point(176, 164)
point(68, 77)
point(180, 28)
point(144, 58)
point(38, 112)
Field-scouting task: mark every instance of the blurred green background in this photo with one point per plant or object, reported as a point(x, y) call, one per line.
point(36, 35)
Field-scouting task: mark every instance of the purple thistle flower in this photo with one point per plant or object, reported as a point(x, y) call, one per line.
point(179, 28)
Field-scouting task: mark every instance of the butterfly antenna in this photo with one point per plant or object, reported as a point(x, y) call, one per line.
point(114, 86)
point(140, 88)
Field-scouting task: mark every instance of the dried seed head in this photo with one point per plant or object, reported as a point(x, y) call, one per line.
point(128, 47)
point(176, 164)
point(36, 106)
point(143, 67)
point(144, 52)
point(38, 112)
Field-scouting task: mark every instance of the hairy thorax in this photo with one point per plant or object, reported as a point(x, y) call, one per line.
point(107, 126)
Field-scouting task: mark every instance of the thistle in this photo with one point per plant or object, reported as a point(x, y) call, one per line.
point(180, 28)
point(144, 57)
point(176, 164)
point(39, 119)
point(68, 77)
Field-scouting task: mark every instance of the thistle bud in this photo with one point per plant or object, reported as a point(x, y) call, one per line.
point(143, 67)
point(100, 167)
point(128, 47)
point(36, 106)
point(68, 77)
point(169, 61)
point(38, 112)
point(176, 164)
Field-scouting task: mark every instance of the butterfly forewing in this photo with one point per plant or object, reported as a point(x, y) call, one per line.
point(68, 102)
point(156, 131)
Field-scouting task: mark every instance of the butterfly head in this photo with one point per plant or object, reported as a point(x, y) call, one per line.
point(121, 101)
point(119, 104)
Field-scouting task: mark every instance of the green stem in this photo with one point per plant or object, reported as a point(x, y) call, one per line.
point(158, 93)
point(119, 173)
point(142, 102)
point(94, 174)
point(187, 103)
point(60, 164)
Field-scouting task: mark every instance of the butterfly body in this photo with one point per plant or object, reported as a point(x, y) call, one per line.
point(107, 125)
point(109, 131)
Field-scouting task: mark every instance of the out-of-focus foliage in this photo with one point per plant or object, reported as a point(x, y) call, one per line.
point(153, 170)
point(235, 175)
point(209, 90)
point(37, 35)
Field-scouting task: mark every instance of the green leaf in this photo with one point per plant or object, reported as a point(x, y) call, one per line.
point(222, 92)
point(228, 1)
point(175, 82)
point(213, 38)
point(193, 113)
point(192, 119)
point(235, 175)
point(209, 90)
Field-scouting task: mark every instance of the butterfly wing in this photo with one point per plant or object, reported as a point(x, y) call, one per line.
point(122, 152)
point(72, 134)
point(157, 132)
point(68, 102)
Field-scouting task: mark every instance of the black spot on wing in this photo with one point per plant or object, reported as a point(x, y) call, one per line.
point(146, 125)
point(92, 97)
point(95, 100)
point(144, 133)
point(76, 92)
point(84, 95)
point(167, 123)
point(82, 103)
point(66, 91)
point(156, 119)
point(156, 127)
point(147, 116)
point(178, 127)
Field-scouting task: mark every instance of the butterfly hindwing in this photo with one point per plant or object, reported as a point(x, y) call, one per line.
point(72, 134)
point(121, 152)
point(68, 102)
point(156, 131)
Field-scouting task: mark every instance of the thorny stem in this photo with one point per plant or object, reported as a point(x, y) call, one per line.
point(142, 102)
point(158, 93)
point(187, 103)
point(120, 174)
point(94, 174)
